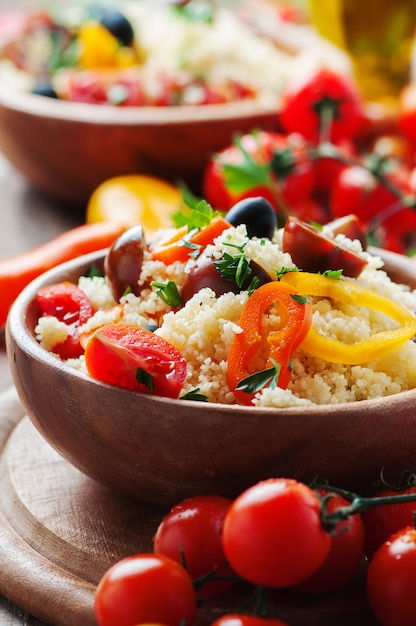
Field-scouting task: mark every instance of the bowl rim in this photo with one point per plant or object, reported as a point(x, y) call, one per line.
point(18, 331)
point(106, 114)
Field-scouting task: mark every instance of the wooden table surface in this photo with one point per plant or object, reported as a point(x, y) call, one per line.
point(27, 219)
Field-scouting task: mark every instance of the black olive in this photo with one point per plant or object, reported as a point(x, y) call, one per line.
point(45, 89)
point(205, 274)
point(118, 25)
point(123, 262)
point(257, 214)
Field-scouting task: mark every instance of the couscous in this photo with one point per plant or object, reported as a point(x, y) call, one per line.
point(203, 327)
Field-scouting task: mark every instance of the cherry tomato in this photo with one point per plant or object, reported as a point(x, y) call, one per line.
point(313, 251)
point(273, 535)
point(391, 580)
point(236, 619)
point(406, 113)
point(316, 96)
point(70, 305)
point(327, 169)
point(345, 555)
point(192, 531)
point(135, 358)
point(123, 262)
point(285, 156)
point(382, 521)
point(135, 199)
point(145, 588)
point(358, 189)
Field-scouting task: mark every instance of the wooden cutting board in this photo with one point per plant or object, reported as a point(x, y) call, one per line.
point(60, 531)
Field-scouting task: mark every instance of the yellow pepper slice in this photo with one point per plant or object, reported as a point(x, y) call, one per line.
point(348, 292)
point(100, 49)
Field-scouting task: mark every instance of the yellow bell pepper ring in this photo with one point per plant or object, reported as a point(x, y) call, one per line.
point(349, 292)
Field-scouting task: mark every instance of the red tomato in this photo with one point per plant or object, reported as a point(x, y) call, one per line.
point(70, 305)
point(310, 99)
point(192, 531)
point(391, 580)
point(235, 619)
point(382, 521)
point(327, 169)
point(273, 535)
point(145, 588)
point(135, 358)
point(345, 555)
point(406, 113)
point(283, 167)
point(357, 189)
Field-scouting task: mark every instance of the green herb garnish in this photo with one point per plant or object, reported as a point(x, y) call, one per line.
point(168, 292)
point(144, 378)
point(255, 382)
point(194, 395)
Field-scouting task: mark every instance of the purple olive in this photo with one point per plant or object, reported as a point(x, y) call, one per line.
point(123, 262)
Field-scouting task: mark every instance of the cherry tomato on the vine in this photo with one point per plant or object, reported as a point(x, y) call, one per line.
point(237, 619)
point(192, 531)
point(345, 555)
point(322, 100)
point(406, 113)
point(382, 521)
point(391, 580)
point(273, 534)
point(279, 170)
point(145, 588)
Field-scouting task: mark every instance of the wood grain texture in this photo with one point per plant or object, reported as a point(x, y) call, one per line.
point(60, 530)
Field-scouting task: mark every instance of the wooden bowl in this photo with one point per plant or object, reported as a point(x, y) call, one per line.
point(66, 149)
point(163, 450)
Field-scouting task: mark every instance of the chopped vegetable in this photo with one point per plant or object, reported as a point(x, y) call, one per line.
point(250, 347)
point(135, 358)
point(349, 292)
point(181, 245)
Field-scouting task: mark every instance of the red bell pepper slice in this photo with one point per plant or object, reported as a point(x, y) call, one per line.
point(251, 348)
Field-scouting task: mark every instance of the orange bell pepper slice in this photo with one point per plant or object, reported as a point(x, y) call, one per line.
point(251, 348)
point(175, 248)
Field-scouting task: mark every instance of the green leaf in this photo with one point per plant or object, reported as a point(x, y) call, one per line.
point(144, 378)
point(194, 395)
point(243, 176)
point(235, 268)
point(255, 382)
point(168, 292)
point(299, 298)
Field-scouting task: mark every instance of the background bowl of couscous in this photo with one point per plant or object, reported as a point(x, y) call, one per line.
point(163, 450)
point(74, 112)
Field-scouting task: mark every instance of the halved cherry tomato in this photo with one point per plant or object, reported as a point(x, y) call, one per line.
point(273, 534)
point(135, 358)
point(313, 251)
point(70, 305)
point(192, 533)
point(145, 589)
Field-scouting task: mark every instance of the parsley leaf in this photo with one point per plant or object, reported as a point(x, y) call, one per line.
point(299, 298)
point(168, 292)
point(255, 382)
point(194, 395)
